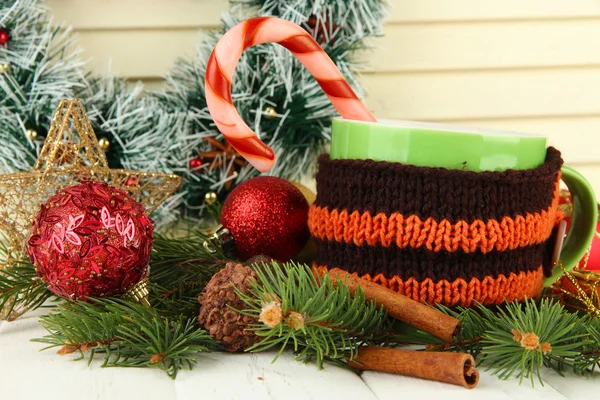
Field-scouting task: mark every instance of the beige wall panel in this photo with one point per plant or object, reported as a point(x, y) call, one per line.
point(151, 84)
point(460, 96)
point(116, 14)
point(138, 53)
point(486, 45)
point(592, 173)
point(468, 10)
point(559, 104)
point(137, 14)
point(405, 48)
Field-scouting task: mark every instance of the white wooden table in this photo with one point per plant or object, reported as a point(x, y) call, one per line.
point(26, 373)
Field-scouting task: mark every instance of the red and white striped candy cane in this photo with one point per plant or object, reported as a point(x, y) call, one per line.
point(222, 63)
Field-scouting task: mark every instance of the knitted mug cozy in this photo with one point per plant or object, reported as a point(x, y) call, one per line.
point(437, 235)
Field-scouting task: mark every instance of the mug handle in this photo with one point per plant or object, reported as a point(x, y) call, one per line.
point(583, 222)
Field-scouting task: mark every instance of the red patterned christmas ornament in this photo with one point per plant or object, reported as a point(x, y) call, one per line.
point(266, 215)
point(91, 240)
point(4, 37)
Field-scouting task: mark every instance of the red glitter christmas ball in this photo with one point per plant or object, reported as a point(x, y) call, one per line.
point(4, 37)
point(91, 240)
point(266, 215)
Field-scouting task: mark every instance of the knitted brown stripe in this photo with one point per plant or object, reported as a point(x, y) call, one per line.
point(421, 263)
point(384, 187)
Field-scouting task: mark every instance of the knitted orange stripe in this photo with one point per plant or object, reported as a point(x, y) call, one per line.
point(412, 231)
point(488, 291)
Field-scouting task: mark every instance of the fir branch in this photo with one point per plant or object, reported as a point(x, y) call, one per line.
point(180, 268)
point(269, 76)
point(126, 334)
point(588, 351)
point(356, 18)
point(518, 339)
point(319, 321)
point(21, 289)
point(179, 262)
point(522, 338)
point(44, 68)
point(180, 301)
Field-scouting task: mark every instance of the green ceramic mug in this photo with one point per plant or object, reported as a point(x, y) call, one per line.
point(471, 149)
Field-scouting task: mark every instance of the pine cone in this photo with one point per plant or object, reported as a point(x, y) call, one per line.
point(224, 324)
point(259, 259)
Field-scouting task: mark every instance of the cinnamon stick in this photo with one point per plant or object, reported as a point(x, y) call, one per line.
point(401, 307)
point(455, 368)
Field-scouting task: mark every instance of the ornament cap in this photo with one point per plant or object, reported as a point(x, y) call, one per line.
point(139, 292)
point(221, 238)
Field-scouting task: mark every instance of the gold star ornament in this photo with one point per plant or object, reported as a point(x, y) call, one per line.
point(71, 154)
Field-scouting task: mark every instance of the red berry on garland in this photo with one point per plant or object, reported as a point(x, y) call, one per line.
point(91, 239)
point(196, 163)
point(132, 181)
point(4, 37)
point(266, 215)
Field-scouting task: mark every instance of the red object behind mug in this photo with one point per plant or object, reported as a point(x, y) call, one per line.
point(591, 259)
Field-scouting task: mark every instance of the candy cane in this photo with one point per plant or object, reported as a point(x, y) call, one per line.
point(222, 63)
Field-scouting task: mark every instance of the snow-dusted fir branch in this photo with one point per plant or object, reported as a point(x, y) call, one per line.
point(269, 79)
point(142, 135)
point(172, 130)
point(43, 67)
point(356, 18)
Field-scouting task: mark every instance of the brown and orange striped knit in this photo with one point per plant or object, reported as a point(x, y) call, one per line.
point(437, 235)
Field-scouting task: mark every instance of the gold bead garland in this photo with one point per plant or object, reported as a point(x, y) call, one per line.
point(104, 143)
point(210, 198)
point(31, 134)
point(270, 112)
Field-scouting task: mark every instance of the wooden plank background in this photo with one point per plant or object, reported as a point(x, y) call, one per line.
point(531, 66)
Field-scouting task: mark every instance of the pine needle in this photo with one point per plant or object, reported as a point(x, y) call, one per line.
point(21, 289)
point(125, 334)
point(520, 338)
point(334, 323)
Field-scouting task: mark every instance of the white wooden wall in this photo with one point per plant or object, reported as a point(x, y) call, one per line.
point(528, 65)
